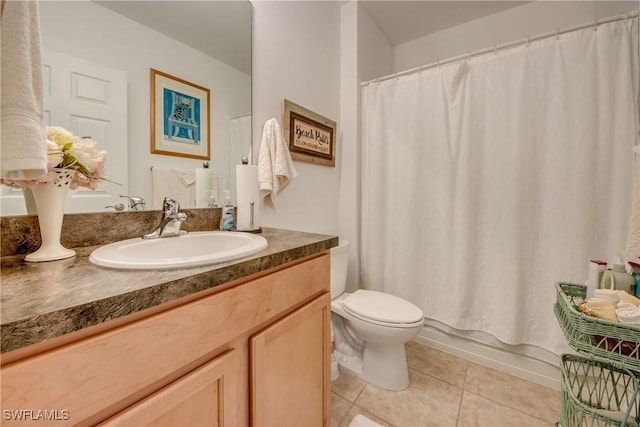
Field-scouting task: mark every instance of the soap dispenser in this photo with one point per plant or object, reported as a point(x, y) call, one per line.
point(226, 220)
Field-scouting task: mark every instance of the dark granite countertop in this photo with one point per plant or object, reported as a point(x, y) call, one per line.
point(41, 301)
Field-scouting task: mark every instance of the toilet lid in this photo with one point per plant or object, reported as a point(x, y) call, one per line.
point(382, 307)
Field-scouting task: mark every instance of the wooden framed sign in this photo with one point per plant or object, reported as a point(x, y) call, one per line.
point(310, 136)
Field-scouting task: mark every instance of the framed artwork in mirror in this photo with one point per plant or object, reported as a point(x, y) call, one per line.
point(310, 136)
point(180, 119)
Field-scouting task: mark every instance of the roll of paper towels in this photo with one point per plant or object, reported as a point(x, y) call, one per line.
point(206, 187)
point(247, 191)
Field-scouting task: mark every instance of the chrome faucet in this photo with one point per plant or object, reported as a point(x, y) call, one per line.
point(136, 203)
point(171, 221)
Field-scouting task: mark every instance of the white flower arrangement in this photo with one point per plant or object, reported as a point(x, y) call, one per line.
point(66, 151)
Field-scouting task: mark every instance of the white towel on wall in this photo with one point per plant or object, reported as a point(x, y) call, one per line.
point(178, 184)
point(24, 153)
point(275, 167)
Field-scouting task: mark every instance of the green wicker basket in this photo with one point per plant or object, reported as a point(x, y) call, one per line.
point(596, 393)
point(614, 342)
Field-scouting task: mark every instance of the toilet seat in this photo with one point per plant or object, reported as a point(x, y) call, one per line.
point(382, 309)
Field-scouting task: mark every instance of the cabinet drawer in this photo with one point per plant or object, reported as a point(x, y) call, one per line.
point(96, 377)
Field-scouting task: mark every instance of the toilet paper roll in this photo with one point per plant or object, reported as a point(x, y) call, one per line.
point(247, 191)
point(206, 186)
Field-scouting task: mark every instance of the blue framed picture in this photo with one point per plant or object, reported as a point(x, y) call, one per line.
point(180, 119)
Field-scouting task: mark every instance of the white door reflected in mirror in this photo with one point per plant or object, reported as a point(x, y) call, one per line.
point(88, 99)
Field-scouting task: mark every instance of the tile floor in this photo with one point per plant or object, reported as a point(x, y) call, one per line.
point(446, 391)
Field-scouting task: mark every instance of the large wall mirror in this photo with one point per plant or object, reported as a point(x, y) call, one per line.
point(97, 59)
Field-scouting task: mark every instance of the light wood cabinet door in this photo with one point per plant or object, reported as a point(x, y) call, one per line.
point(204, 397)
point(290, 368)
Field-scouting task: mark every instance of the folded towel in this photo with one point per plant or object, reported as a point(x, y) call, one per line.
point(24, 150)
point(628, 313)
point(178, 184)
point(624, 296)
point(275, 167)
point(610, 294)
point(626, 306)
point(602, 308)
point(600, 302)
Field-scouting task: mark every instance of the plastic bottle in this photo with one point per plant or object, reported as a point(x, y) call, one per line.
point(617, 278)
point(635, 266)
point(226, 220)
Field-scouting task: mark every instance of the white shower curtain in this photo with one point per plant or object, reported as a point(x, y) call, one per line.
point(487, 180)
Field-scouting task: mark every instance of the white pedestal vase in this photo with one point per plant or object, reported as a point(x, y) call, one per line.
point(50, 198)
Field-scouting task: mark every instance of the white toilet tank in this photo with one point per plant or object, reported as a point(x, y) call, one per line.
point(339, 266)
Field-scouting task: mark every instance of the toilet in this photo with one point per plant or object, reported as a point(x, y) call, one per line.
point(370, 328)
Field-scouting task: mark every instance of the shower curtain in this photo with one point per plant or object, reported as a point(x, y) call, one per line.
point(487, 180)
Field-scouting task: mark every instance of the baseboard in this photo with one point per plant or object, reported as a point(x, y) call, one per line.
point(515, 364)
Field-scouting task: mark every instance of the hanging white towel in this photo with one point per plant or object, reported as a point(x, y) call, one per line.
point(275, 167)
point(24, 150)
point(178, 184)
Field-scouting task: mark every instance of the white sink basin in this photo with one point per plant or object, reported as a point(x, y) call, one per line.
point(189, 250)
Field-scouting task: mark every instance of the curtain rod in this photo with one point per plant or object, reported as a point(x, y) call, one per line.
point(623, 16)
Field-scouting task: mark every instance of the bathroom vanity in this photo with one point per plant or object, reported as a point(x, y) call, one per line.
point(240, 343)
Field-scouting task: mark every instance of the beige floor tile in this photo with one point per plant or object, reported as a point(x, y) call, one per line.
point(477, 411)
point(532, 399)
point(427, 402)
point(339, 408)
point(348, 386)
point(355, 411)
point(436, 363)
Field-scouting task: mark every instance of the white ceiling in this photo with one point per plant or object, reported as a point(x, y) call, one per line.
point(402, 21)
point(220, 28)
